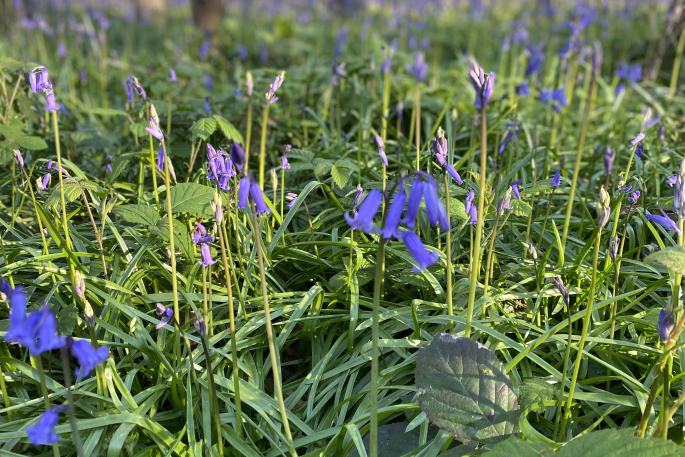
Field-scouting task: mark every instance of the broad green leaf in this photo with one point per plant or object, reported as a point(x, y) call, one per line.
point(672, 257)
point(137, 214)
point(301, 154)
point(618, 443)
point(191, 198)
point(182, 239)
point(340, 175)
point(464, 390)
point(520, 208)
point(514, 447)
point(6, 152)
point(203, 128)
point(10, 133)
point(534, 390)
point(228, 129)
point(138, 129)
point(322, 168)
point(457, 209)
point(32, 142)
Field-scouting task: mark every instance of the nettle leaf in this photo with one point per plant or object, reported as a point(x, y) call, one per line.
point(535, 390)
point(182, 238)
point(514, 447)
point(672, 257)
point(203, 128)
point(32, 142)
point(137, 214)
point(520, 208)
point(72, 191)
point(322, 168)
point(344, 163)
point(10, 133)
point(340, 175)
point(191, 198)
point(138, 129)
point(457, 209)
point(299, 166)
point(612, 442)
point(228, 129)
point(464, 390)
point(301, 154)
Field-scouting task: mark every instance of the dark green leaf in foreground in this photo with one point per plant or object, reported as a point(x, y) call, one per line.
point(463, 389)
point(191, 198)
point(203, 128)
point(182, 239)
point(137, 214)
point(514, 447)
point(672, 257)
point(619, 443)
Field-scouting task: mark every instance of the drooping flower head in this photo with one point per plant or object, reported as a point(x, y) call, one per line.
point(392, 220)
point(609, 156)
point(418, 251)
point(665, 324)
point(613, 247)
point(483, 85)
point(366, 212)
point(292, 198)
point(603, 208)
point(38, 331)
point(172, 75)
point(664, 221)
point(88, 357)
point(42, 432)
point(419, 68)
point(562, 289)
point(556, 180)
point(165, 314)
point(634, 197)
point(18, 158)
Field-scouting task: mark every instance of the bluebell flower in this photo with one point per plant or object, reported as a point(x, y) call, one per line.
point(199, 232)
point(160, 159)
point(271, 94)
point(664, 221)
point(18, 158)
point(419, 68)
point(640, 150)
point(665, 325)
point(243, 192)
point(258, 199)
point(209, 82)
point(454, 174)
point(625, 189)
point(672, 180)
point(556, 180)
point(613, 247)
point(434, 207)
point(292, 199)
point(392, 220)
point(511, 133)
point(38, 331)
point(515, 186)
point(284, 162)
point(204, 49)
point(559, 99)
point(208, 109)
point(535, 60)
point(367, 210)
point(42, 183)
point(631, 74)
point(522, 89)
point(172, 75)
point(88, 357)
point(384, 158)
point(206, 252)
point(154, 130)
point(415, 197)
point(42, 432)
point(562, 289)
point(242, 52)
point(238, 156)
point(165, 313)
point(52, 104)
point(609, 156)
point(634, 197)
point(469, 201)
point(545, 95)
point(482, 85)
point(223, 183)
point(418, 251)
point(637, 139)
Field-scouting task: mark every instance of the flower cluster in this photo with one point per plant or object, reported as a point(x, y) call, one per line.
point(271, 94)
point(39, 79)
point(220, 167)
point(631, 74)
point(678, 184)
point(439, 146)
point(419, 68)
point(556, 97)
point(482, 85)
point(248, 188)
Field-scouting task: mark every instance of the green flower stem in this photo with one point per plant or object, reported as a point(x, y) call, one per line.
point(386, 103)
point(475, 258)
point(676, 66)
point(377, 290)
point(44, 390)
point(448, 251)
point(544, 222)
point(282, 196)
point(75, 435)
point(65, 226)
point(262, 145)
point(35, 208)
point(212, 391)
point(417, 130)
point(248, 131)
point(491, 247)
point(168, 111)
point(583, 336)
point(270, 335)
point(564, 372)
point(231, 320)
point(532, 208)
point(664, 397)
point(152, 160)
point(5, 395)
point(172, 250)
point(579, 158)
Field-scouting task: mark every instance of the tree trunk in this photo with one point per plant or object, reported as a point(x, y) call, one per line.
point(148, 10)
point(208, 14)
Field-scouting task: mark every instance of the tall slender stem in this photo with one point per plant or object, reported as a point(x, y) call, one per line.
point(262, 145)
point(270, 336)
point(475, 258)
point(231, 321)
point(448, 251)
point(377, 290)
point(212, 390)
point(417, 131)
point(75, 436)
point(676, 66)
point(583, 336)
point(152, 160)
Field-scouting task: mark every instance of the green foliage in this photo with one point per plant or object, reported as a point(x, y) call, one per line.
point(672, 257)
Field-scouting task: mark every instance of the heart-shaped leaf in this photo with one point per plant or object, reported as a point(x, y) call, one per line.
point(464, 390)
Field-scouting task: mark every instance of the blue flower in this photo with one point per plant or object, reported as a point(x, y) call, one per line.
point(515, 186)
point(473, 212)
point(38, 331)
point(609, 156)
point(634, 197)
point(206, 252)
point(535, 61)
point(243, 192)
point(453, 173)
point(415, 197)
point(665, 325)
point(522, 89)
point(88, 357)
point(434, 207)
point(238, 156)
point(418, 251)
point(367, 210)
point(42, 432)
point(419, 68)
point(160, 160)
point(562, 289)
point(556, 180)
point(165, 313)
point(258, 199)
point(664, 221)
point(392, 221)
point(469, 201)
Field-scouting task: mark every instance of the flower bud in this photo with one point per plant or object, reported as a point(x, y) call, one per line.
point(79, 285)
point(18, 158)
point(88, 312)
